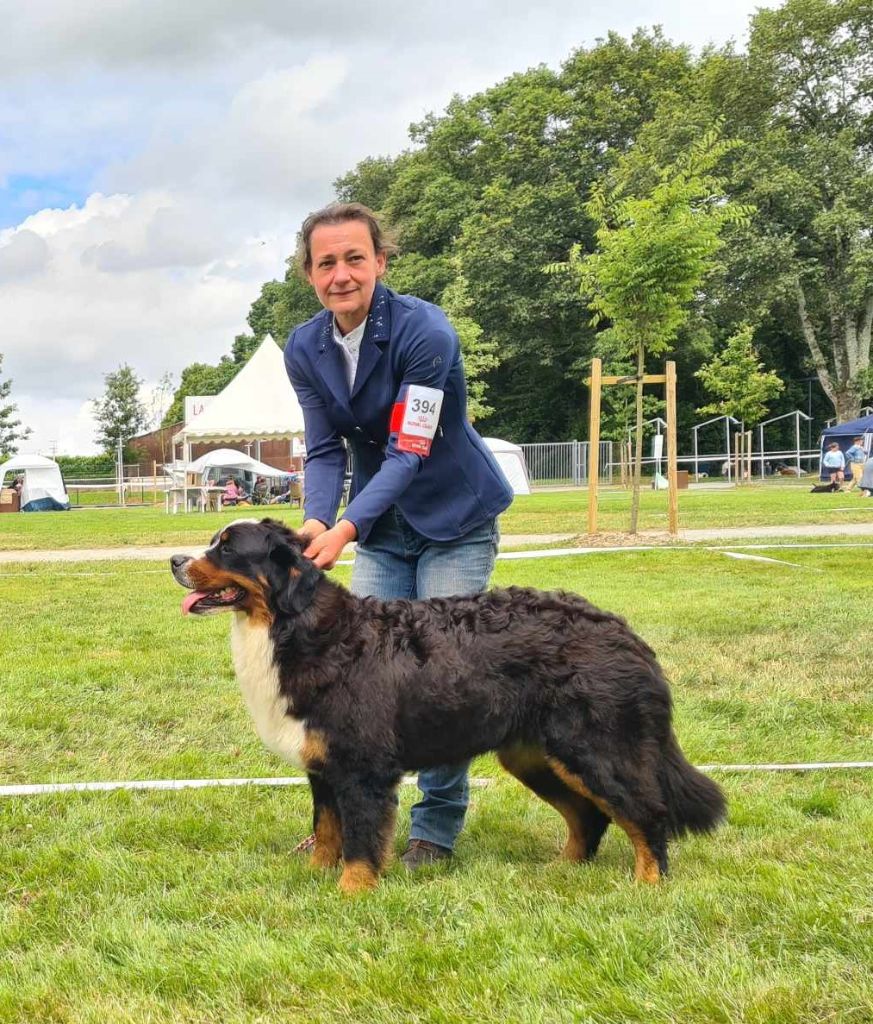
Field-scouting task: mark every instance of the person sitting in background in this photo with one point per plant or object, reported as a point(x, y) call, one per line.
point(833, 463)
point(233, 494)
point(285, 497)
point(855, 459)
point(261, 491)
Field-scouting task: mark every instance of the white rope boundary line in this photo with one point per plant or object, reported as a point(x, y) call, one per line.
point(41, 789)
point(38, 789)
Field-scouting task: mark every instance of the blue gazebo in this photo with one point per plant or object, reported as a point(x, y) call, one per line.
point(843, 433)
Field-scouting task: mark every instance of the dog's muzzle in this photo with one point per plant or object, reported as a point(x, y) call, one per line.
point(179, 564)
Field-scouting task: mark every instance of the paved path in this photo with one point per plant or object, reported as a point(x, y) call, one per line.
point(156, 553)
point(762, 532)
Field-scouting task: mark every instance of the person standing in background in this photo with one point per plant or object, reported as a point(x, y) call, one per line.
point(834, 463)
point(855, 459)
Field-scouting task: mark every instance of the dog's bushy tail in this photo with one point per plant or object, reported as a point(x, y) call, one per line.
point(694, 802)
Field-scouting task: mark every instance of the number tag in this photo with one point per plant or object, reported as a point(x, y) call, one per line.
point(421, 414)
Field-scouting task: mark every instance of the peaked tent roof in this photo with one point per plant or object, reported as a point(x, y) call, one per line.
point(863, 425)
point(17, 463)
point(258, 404)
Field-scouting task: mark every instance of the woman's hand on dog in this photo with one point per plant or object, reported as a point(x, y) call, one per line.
point(325, 546)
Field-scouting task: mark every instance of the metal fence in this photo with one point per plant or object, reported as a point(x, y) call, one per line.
point(104, 491)
point(565, 463)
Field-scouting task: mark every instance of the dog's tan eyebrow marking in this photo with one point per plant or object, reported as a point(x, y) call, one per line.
point(222, 534)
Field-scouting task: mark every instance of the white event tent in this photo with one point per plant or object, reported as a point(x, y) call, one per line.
point(510, 458)
point(43, 488)
point(259, 404)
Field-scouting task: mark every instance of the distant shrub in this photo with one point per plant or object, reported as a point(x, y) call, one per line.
point(77, 466)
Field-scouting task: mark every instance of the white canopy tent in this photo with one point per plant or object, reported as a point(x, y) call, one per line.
point(229, 458)
point(259, 404)
point(43, 488)
point(209, 468)
point(510, 458)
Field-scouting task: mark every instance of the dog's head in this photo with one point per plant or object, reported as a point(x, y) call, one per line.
point(253, 566)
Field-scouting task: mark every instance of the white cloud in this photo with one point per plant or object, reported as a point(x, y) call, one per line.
point(23, 254)
point(82, 316)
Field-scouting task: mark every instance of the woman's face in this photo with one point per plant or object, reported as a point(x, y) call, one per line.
point(344, 271)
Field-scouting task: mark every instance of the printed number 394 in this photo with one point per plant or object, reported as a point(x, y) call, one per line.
point(422, 405)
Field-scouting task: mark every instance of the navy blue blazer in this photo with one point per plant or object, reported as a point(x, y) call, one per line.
point(443, 495)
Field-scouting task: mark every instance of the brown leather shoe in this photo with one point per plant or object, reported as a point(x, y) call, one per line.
point(421, 854)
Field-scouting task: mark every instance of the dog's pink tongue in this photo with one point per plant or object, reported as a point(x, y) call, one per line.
point(189, 600)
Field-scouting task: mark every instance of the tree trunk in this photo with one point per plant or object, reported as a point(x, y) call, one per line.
point(850, 351)
point(638, 451)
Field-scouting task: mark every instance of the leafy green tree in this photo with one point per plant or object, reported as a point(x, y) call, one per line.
point(368, 183)
point(802, 98)
point(653, 253)
point(479, 354)
point(11, 430)
point(120, 414)
point(737, 379)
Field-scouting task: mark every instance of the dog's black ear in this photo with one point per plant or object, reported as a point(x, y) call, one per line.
point(294, 578)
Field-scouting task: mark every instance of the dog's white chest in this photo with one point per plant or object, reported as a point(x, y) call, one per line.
point(259, 681)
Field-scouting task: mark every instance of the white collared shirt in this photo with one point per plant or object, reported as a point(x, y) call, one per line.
point(350, 346)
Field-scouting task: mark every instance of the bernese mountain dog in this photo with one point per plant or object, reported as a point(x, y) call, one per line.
point(356, 691)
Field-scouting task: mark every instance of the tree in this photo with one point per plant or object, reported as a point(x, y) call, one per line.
point(802, 97)
point(737, 379)
point(653, 251)
point(11, 430)
point(479, 354)
point(161, 397)
point(120, 414)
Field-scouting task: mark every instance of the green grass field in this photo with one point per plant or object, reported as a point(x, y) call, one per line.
point(190, 907)
point(544, 512)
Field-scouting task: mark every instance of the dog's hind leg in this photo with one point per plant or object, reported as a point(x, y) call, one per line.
point(367, 812)
point(586, 823)
point(325, 824)
point(644, 825)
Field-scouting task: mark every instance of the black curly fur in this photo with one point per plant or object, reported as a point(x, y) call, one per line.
point(572, 700)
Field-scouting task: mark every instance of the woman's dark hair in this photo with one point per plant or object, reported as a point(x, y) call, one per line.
point(339, 213)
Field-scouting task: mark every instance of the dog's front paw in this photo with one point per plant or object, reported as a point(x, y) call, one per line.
point(358, 876)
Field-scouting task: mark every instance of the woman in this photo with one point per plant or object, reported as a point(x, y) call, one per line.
point(232, 494)
point(382, 373)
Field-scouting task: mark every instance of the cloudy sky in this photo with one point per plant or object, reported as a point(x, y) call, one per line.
point(157, 157)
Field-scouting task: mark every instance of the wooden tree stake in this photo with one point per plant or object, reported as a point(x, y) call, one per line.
point(594, 443)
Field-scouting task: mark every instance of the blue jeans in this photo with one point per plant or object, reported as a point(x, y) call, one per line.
point(397, 562)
